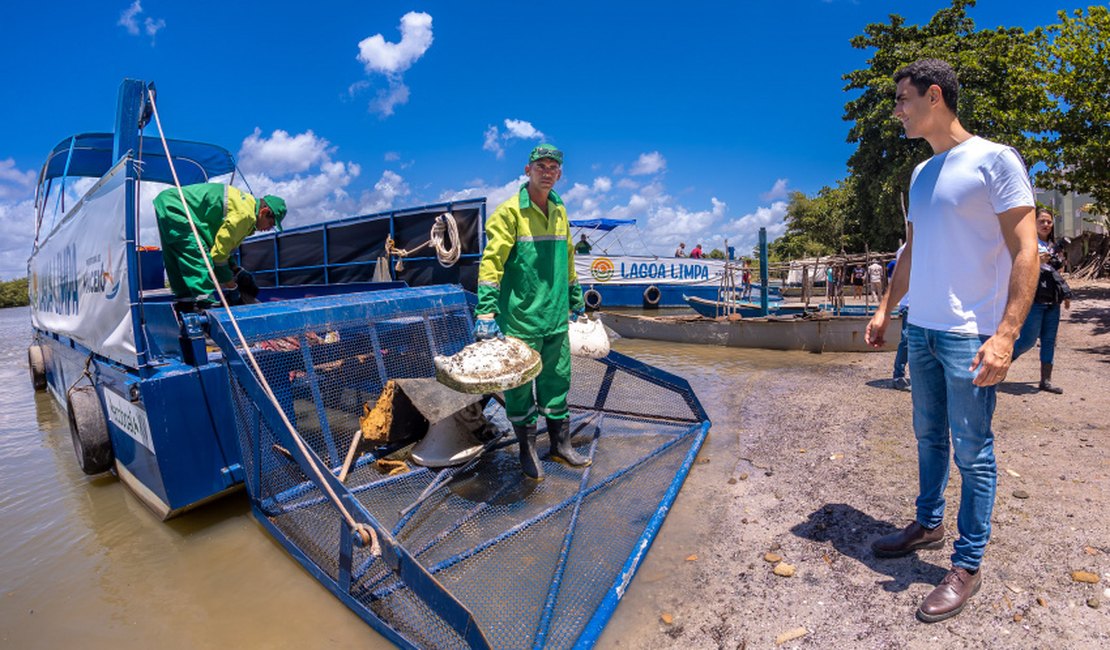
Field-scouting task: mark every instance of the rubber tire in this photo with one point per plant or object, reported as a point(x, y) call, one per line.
point(89, 430)
point(36, 361)
point(592, 298)
point(652, 296)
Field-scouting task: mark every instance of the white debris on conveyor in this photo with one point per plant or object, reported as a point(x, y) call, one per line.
point(489, 366)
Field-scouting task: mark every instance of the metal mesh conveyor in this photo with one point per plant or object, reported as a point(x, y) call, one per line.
point(489, 559)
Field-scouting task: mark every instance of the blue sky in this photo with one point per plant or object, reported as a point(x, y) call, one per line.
point(695, 118)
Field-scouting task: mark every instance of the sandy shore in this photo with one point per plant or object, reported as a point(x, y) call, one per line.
point(821, 459)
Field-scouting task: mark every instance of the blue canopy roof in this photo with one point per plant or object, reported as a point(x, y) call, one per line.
point(196, 162)
point(601, 224)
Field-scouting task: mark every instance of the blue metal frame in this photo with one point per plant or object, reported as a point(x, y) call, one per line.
point(391, 215)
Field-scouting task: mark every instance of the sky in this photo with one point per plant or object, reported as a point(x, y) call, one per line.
point(697, 119)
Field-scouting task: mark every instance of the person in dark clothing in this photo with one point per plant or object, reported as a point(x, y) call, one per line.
point(1043, 320)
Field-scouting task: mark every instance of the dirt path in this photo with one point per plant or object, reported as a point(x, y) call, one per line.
point(833, 465)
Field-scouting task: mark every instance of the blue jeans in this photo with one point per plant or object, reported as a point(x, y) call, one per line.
point(1042, 323)
point(945, 399)
point(902, 355)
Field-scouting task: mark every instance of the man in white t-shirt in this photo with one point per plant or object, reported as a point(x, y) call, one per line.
point(970, 266)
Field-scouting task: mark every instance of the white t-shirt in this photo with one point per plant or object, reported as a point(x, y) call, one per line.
point(960, 276)
point(875, 271)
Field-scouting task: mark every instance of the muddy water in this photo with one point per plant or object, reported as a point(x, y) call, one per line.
point(83, 564)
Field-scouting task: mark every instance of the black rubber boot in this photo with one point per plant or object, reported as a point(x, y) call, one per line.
point(529, 461)
point(561, 449)
point(1046, 380)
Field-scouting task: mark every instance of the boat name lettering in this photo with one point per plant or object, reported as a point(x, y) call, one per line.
point(663, 271)
point(58, 288)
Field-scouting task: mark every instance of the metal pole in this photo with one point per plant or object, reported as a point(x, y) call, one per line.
point(763, 310)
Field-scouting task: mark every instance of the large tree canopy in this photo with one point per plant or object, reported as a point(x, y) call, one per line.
point(1045, 92)
point(1077, 67)
point(1001, 98)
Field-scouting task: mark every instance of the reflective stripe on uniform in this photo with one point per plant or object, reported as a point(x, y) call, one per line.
point(524, 418)
point(542, 238)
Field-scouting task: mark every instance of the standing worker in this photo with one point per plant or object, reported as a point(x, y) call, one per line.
point(224, 216)
point(526, 288)
point(970, 265)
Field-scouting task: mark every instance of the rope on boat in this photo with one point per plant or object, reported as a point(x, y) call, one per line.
point(365, 533)
point(445, 225)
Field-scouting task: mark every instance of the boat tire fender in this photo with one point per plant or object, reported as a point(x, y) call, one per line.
point(592, 298)
point(36, 361)
point(89, 430)
point(652, 295)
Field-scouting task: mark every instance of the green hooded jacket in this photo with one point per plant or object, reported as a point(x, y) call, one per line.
point(526, 277)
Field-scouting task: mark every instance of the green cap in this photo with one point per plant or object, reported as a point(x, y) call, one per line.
point(277, 206)
point(545, 151)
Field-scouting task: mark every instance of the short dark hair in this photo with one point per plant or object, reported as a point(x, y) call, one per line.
point(927, 72)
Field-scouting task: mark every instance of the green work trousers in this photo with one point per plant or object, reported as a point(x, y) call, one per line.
point(551, 386)
point(185, 267)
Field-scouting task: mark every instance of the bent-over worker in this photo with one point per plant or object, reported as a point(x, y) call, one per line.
point(224, 216)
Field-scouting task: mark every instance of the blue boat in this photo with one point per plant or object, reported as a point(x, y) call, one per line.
point(184, 408)
point(623, 279)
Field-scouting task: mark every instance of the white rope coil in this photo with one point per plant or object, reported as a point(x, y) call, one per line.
point(445, 224)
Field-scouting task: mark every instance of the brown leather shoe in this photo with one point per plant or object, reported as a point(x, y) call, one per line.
point(950, 596)
point(909, 539)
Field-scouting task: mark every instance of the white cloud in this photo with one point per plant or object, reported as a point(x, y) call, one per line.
point(387, 190)
point(300, 169)
point(648, 163)
point(15, 184)
point(281, 153)
point(495, 195)
point(391, 156)
point(522, 129)
point(379, 56)
point(17, 222)
point(778, 191)
point(128, 19)
point(519, 129)
point(491, 142)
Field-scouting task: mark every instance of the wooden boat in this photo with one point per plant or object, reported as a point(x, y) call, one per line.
point(811, 332)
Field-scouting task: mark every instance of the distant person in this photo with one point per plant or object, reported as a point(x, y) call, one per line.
point(970, 265)
point(857, 280)
point(224, 216)
point(583, 246)
point(681, 250)
point(746, 281)
point(528, 288)
point(875, 279)
point(696, 253)
point(899, 380)
point(1052, 291)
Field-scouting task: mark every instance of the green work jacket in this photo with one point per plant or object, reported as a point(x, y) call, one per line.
point(526, 277)
point(224, 216)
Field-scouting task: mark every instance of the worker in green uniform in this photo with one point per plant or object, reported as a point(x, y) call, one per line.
point(224, 216)
point(526, 288)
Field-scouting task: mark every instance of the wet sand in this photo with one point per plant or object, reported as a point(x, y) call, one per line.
point(814, 457)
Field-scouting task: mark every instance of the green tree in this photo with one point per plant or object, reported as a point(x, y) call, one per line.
point(1077, 63)
point(818, 225)
point(716, 254)
point(13, 293)
point(1001, 98)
